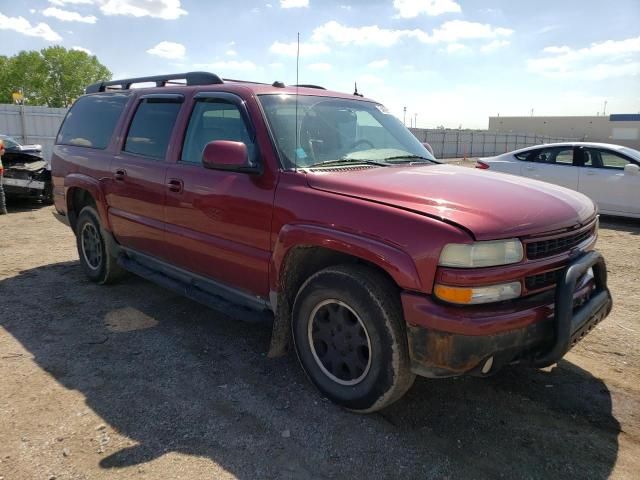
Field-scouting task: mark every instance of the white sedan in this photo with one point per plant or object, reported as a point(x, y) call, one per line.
point(608, 174)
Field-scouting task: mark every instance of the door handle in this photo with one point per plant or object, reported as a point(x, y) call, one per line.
point(175, 185)
point(530, 167)
point(120, 174)
point(590, 172)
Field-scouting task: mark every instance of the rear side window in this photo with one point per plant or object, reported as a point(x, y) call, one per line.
point(151, 127)
point(523, 155)
point(91, 120)
point(558, 156)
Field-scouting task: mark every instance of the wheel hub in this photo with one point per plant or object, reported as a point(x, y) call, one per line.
point(339, 342)
point(91, 246)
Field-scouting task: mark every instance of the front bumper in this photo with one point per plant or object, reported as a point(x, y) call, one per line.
point(447, 340)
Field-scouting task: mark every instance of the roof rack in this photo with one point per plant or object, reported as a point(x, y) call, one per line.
point(308, 85)
point(191, 78)
point(234, 80)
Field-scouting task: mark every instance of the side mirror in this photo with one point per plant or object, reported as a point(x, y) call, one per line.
point(228, 155)
point(631, 169)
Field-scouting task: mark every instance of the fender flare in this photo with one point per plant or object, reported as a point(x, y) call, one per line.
point(391, 259)
point(397, 263)
point(94, 187)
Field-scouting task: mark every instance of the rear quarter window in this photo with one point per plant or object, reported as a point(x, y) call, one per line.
point(523, 155)
point(91, 121)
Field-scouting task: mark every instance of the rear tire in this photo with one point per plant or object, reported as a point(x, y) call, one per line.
point(96, 260)
point(350, 337)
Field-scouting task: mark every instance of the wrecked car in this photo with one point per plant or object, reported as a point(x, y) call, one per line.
point(26, 173)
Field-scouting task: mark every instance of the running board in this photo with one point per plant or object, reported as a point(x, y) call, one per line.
point(244, 311)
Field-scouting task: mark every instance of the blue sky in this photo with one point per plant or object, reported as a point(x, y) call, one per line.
point(451, 62)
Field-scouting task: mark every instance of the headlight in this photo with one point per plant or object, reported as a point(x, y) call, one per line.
point(481, 254)
point(475, 295)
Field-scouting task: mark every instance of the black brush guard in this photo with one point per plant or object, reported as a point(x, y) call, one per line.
point(572, 324)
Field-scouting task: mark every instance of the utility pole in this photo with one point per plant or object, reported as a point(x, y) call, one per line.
point(415, 120)
point(404, 118)
point(532, 112)
point(604, 110)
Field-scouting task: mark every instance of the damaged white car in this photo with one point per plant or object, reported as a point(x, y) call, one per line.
point(26, 173)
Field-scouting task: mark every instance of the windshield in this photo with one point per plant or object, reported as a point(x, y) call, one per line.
point(635, 154)
point(9, 142)
point(336, 130)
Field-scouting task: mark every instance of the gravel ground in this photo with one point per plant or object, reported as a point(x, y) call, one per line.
point(131, 381)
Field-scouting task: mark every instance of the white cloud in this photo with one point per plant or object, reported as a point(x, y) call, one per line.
point(22, 25)
point(495, 45)
point(456, 48)
point(234, 65)
point(294, 3)
point(320, 67)
point(563, 49)
point(62, 3)
point(231, 52)
point(164, 9)
point(333, 31)
point(68, 16)
point(82, 49)
point(171, 50)
point(456, 30)
point(306, 49)
point(276, 65)
point(449, 32)
point(413, 8)
point(378, 63)
point(600, 60)
point(32, 10)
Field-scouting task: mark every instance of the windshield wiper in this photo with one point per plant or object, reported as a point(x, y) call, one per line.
point(409, 158)
point(346, 160)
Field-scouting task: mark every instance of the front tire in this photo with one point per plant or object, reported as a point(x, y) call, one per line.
point(96, 260)
point(350, 338)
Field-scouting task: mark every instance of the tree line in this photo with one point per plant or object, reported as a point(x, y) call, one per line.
point(53, 76)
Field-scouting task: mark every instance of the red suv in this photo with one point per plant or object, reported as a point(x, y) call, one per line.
point(377, 262)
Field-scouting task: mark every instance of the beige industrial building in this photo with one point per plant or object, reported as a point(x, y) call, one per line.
point(621, 129)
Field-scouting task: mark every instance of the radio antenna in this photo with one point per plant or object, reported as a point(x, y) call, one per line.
point(295, 154)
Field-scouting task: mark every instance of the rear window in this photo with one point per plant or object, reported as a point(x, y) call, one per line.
point(91, 120)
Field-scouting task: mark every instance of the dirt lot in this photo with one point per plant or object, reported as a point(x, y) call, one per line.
point(131, 381)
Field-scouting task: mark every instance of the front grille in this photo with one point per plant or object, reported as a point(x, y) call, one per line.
point(554, 246)
point(542, 280)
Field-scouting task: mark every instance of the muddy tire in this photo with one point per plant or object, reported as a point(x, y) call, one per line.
point(349, 335)
point(96, 260)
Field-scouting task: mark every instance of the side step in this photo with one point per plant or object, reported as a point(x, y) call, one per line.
point(244, 312)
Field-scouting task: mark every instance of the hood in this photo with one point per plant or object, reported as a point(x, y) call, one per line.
point(490, 205)
point(28, 148)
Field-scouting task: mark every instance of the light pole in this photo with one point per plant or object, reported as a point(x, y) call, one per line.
point(604, 110)
point(415, 120)
point(404, 118)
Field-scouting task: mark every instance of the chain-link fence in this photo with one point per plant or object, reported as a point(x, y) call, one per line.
point(478, 143)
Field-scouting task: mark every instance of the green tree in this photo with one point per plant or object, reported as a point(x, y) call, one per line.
point(54, 76)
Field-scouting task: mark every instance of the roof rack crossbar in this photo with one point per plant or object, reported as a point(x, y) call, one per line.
point(308, 85)
point(191, 78)
point(235, 80)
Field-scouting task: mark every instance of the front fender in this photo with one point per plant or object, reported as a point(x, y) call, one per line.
point(398, 264)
